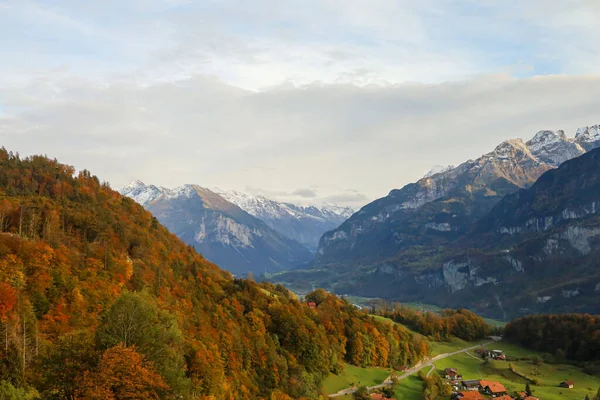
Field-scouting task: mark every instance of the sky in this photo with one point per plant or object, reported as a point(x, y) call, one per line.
point(308, 101)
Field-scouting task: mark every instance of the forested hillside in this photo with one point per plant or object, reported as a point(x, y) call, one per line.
point(99, 301)
point(449, 323)
point(566, 336)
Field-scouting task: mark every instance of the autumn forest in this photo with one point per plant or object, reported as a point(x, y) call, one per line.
point(99, 301)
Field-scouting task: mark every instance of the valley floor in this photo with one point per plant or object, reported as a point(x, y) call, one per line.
point(546, 376)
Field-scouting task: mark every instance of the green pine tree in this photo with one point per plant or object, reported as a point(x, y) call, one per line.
point(528, 390)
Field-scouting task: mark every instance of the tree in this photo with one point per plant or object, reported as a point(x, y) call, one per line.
point(122, 374)
point(528, 390)
point(67, 359)
point(9, 392)
point(135, 320)
point(362, 393)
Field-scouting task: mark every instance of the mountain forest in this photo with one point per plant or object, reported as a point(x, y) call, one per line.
point(99, 301)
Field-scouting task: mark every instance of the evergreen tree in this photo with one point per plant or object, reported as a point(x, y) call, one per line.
point(528, 390)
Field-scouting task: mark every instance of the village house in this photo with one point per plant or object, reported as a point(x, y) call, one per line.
point(491, 388)
point(472, 395)
point(470, 385)
point(567, 384)
point(451, 374)
point(380, 396)
point(523, 396)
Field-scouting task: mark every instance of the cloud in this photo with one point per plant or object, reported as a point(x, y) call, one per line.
point(322, 137)
point(352, 197)
point(277, 43)
point(288, 95)
point(306, 193)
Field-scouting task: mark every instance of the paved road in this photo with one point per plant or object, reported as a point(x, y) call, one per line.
point(416, 368)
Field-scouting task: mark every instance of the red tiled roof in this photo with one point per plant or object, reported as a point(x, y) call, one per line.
point(495, 387)
point(505, 397)
point(471, 396)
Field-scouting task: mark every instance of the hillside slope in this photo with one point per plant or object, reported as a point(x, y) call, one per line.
point(98, 299)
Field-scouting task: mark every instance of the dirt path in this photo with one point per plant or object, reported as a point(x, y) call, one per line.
point(416, 368)
point(431, 370)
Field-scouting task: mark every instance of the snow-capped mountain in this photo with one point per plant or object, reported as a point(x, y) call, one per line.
point(445, 204)
point(303, 224)
point(427, 240)
point(588, 137)
point(554, 148)
point(219, 229)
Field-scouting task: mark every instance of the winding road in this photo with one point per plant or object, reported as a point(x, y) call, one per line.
point(416, 368)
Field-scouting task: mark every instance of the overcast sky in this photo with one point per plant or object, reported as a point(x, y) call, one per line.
point(308, 101)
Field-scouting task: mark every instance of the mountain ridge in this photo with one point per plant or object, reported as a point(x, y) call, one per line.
point(420, 240)
point(223, 232)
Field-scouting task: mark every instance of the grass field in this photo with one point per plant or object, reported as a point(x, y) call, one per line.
point(410, 388)
point(450, 346)
point(352, 376)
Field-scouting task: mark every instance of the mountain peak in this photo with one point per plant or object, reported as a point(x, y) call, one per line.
point(134, 184)
point(438, 169)
point(544, 137)
point(553, 147)
point(588, 137)
point(505, 149)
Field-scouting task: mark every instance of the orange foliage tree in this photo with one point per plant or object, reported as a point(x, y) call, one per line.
point(122, 374)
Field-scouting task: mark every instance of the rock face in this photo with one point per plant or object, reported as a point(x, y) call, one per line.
point(487, 234)
point(220, 230)
point(302, 224)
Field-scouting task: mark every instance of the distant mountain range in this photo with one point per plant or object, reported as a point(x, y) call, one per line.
point(238, 231)
point(419, 242)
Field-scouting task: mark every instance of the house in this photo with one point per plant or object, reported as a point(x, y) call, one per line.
point(521, 395)
point(472, 395)
point(491, 388)
point(567, 384)
point(451, 373)
point(470, 385)
point(505, 397)
point(312, 304)
point(379, 396)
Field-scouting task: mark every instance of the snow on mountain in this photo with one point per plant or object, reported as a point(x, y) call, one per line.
point(142, 193)
point(304, 224)
point(588, 137)
point(554, 148)
point(223, 232)
point(438, 169)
